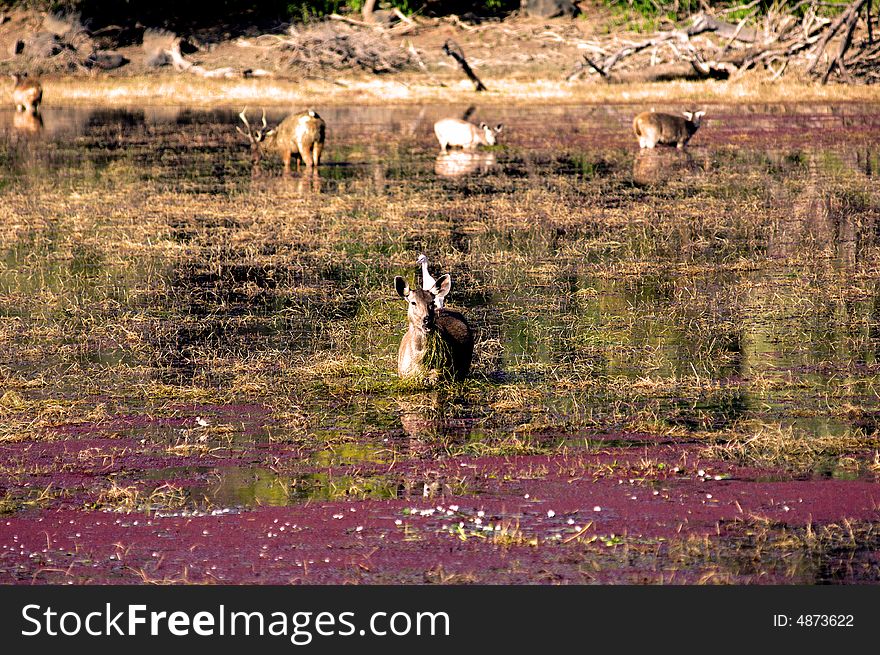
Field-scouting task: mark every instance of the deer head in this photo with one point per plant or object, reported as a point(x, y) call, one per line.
point(255, 136)
point(490, 133)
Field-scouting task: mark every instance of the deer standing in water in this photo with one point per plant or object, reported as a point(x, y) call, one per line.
point(300, 135)
point(27, 93)
point(654, 128)
point(456, 132)
point(438, 343)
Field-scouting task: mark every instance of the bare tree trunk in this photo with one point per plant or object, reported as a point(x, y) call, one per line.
point(367, 11)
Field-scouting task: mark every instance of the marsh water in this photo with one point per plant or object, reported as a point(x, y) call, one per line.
point(155, 289)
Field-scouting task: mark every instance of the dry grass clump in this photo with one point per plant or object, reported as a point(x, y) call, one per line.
point(133, 498)
point(775, 446)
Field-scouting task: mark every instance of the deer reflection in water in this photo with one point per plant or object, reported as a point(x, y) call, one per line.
point(27, 124)
point(431, 422)
point(659, 166)
point(458, 163)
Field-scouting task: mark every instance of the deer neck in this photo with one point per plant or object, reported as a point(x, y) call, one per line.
point(419, 341)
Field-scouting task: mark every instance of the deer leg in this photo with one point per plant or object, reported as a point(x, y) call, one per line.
point(286, 157)
point(306, 155)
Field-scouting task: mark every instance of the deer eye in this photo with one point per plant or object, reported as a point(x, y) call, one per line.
point(412, 302)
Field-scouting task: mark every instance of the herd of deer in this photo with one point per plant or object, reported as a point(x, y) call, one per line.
point(439, 342)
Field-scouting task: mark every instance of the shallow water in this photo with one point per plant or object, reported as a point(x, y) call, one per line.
point(706, 291)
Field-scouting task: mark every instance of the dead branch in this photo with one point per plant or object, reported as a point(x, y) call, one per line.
point(837, 62)
point(454, 50)
point(638, 47)
point(703, 22)
point(327, 46)
point(790, 36)
point(181, 64)
point(582, 66)
point(854, 8)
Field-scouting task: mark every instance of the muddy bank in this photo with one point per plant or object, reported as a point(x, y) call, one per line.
point(520, 59)
point(403, 89)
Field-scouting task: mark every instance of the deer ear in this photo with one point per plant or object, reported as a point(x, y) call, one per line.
point(499, 127)
point(688, 115)
point(483, 126)
point(699, 115)
point(442, 286)
point(401, 286)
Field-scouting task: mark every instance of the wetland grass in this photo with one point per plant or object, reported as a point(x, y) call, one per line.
point(230, 342)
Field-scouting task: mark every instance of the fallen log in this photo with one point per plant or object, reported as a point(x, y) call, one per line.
point(181, 64)
point(630, 50)
point(703, 22)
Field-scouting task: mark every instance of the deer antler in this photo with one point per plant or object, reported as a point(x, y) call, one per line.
point(250, 131)
point(243, 117)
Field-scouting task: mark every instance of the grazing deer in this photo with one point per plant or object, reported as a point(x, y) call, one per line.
point(27, 93)
point(652, 128)
point(438, 342)
point(456, 132)
point(300, 134)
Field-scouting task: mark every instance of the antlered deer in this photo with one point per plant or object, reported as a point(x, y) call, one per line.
point(27, 93)
point(300, 135)
point(654, 128)
point(438, 343)
point(456, 132)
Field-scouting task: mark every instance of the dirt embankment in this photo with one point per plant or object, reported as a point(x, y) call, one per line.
point(340, 60)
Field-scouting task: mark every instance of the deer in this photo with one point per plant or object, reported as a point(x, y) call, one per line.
point(439, 343)
point(654, 128)
point(300, 134)
point(463, 134)
point(26, 94)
